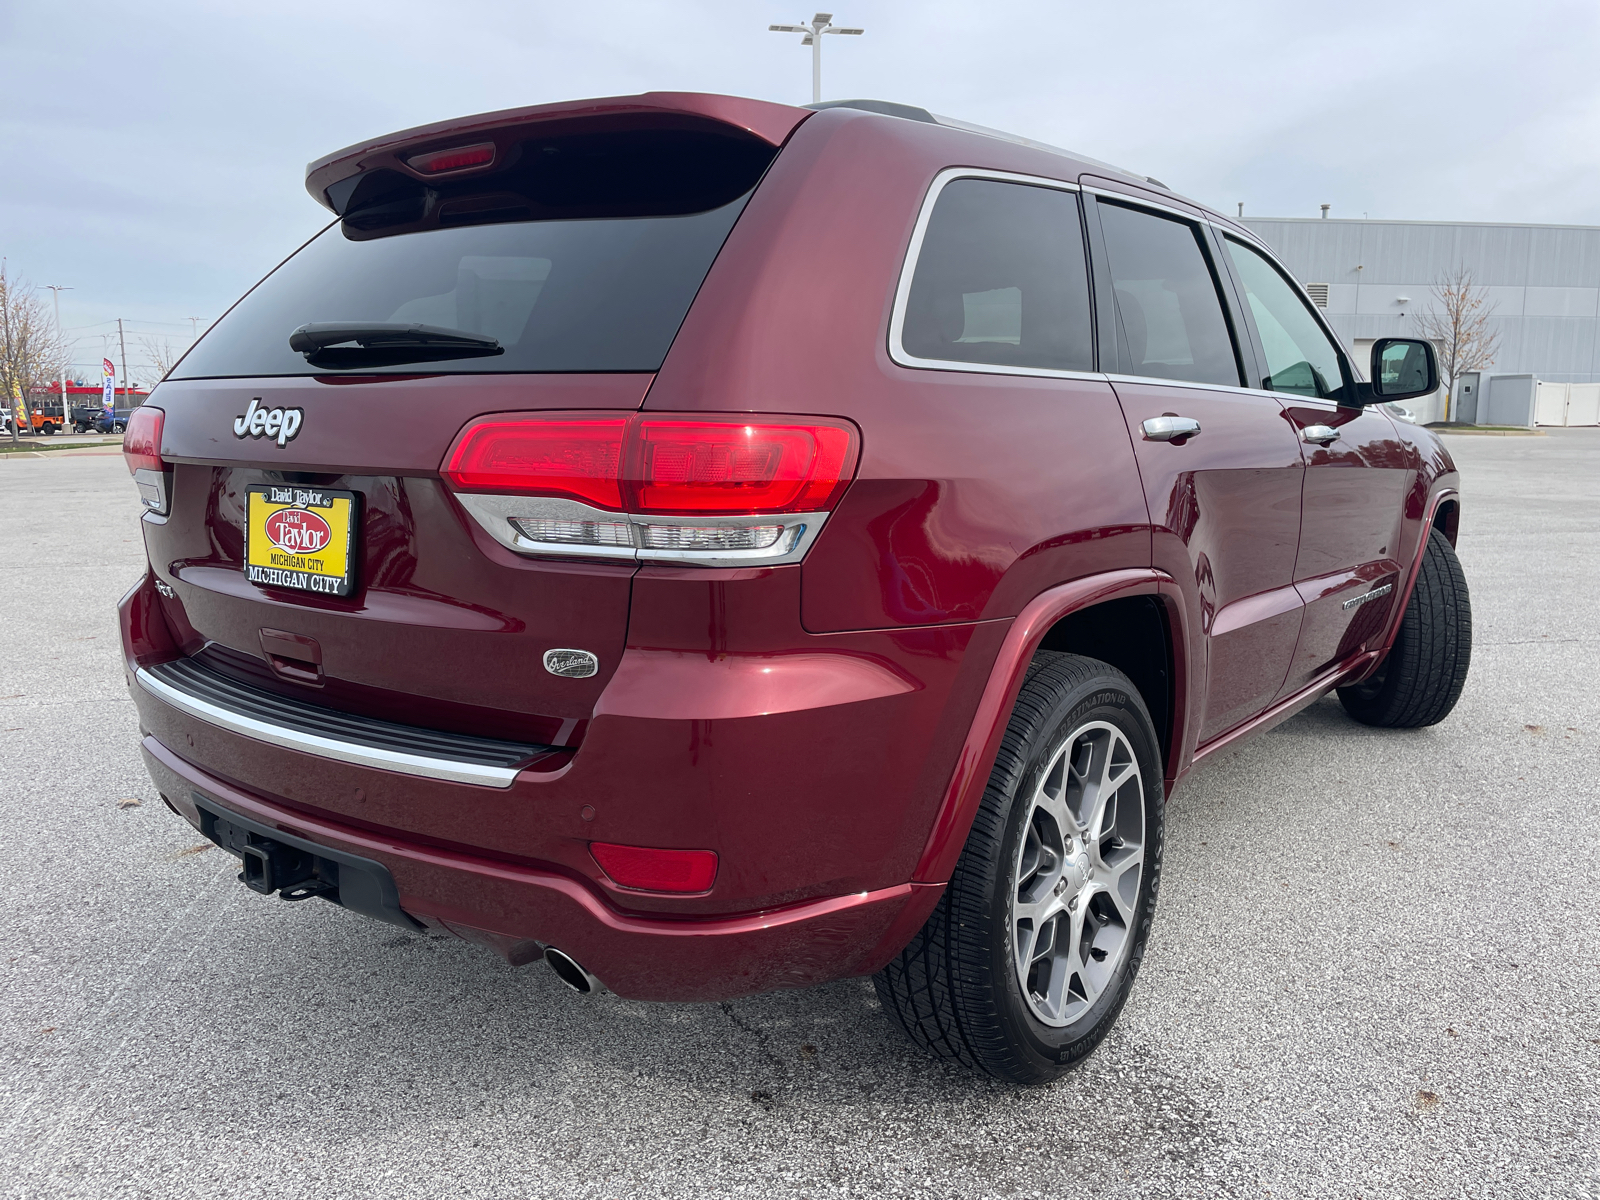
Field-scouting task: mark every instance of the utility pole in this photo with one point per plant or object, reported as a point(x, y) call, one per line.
point(124, 343)
point(194, 328)
point(5, 317)
point(66, 413)
point(820, 24)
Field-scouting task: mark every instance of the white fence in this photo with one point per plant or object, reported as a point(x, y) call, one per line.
point(1567, 404)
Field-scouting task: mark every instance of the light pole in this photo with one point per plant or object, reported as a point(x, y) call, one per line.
point(820, 24)
point(66, 414)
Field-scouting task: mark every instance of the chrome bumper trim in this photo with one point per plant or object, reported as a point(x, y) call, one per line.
point(338, 749)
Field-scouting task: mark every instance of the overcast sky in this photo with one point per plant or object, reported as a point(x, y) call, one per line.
point(154, 153)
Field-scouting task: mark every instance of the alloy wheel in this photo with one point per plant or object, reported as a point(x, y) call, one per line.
point(1077, 873)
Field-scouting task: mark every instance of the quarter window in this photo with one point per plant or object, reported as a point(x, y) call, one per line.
point(1001, 280)
point(1169, 314)
point(1300, 357)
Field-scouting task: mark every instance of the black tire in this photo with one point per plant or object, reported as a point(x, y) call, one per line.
point(957, 989)
point(1422, 677)
point(119, 427)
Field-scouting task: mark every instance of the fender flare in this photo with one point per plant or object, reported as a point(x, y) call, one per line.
point(971, 774)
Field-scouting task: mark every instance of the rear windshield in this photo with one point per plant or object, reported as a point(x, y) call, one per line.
point(559, 295)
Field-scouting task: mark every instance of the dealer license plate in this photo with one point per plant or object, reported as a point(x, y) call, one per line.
point(301, 538)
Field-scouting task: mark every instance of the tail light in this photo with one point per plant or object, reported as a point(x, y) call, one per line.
point(654, 870)
point(141, 447)
point(653, 488)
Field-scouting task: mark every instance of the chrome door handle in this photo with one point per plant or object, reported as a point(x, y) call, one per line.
point(1166, 429)
point(1319, 435)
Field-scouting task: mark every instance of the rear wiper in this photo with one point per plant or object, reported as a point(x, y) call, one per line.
point(380, 343)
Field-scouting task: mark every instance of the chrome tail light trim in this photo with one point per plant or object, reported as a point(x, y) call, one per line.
point(499, 517)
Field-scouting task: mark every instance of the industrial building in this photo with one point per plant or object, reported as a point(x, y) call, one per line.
point(1541, 284)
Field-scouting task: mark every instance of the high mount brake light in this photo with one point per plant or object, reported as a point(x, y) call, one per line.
point(654, 487)
point(653, 870)
point(141, 447)
point(457, 158)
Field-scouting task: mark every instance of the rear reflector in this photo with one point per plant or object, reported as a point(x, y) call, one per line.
point(654, 870)
point(457, 158)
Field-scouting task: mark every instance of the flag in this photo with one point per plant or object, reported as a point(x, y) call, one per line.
point(108, 385)
point(19, 406)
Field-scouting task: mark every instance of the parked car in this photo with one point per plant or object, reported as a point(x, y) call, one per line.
point(46, 417)
point(717, 546)
point(85, 420)
point(100, 420)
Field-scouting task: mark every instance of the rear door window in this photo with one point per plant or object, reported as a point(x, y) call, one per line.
point(1170, 321)
point(1001, 280)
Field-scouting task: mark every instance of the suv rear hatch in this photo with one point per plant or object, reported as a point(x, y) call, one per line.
point(531, 261)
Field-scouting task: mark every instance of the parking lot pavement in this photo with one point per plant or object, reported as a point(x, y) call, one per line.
point(1375, 972)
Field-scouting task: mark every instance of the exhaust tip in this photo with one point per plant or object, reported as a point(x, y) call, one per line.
point(570, 972)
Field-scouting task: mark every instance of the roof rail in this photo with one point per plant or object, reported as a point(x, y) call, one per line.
point(910, 112)
point(884, 108)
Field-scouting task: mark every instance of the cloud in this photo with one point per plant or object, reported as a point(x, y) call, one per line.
point(156, 153)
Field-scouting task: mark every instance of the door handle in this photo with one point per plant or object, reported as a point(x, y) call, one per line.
point(1319, 435)
point(1169, 428)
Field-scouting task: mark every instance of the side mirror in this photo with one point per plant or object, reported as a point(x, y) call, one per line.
point(1402, 368)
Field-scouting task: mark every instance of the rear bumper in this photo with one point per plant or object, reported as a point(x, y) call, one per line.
point(518, 910)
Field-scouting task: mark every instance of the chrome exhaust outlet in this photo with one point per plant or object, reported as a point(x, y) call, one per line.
point(571, 973)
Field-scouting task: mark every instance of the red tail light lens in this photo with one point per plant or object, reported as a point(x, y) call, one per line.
point(660, 465)
point(576, 458)
point(690, 468)
point(653, 870)
point(141, 440)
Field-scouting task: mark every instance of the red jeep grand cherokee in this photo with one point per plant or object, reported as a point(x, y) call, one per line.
point(718, 546)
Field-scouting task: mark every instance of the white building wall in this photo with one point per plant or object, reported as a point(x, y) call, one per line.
point(1542, 283)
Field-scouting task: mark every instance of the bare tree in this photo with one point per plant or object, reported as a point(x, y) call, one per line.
point(162, 354)
point(1458, 324)
point(31, 351)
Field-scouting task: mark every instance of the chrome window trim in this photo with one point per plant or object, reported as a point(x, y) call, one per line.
point(908, 268)
point(426, 766)
point(494, 513)
point(899, 355)
point(1327, 403)
point(1240, 388)
point(1140, 202)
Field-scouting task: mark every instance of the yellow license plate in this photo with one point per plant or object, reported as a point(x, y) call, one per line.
point(301, 538)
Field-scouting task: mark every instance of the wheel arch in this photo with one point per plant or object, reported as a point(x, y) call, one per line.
point(1079, 617)
point(1447, 517)
point(1134, 635)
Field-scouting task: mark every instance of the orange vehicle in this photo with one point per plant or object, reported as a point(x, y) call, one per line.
point(46, 414)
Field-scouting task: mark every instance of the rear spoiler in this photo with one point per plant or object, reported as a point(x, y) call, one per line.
point(464, 146)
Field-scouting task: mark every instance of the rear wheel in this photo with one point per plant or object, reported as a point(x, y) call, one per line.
point(1421, 679)
point(1028, 959)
